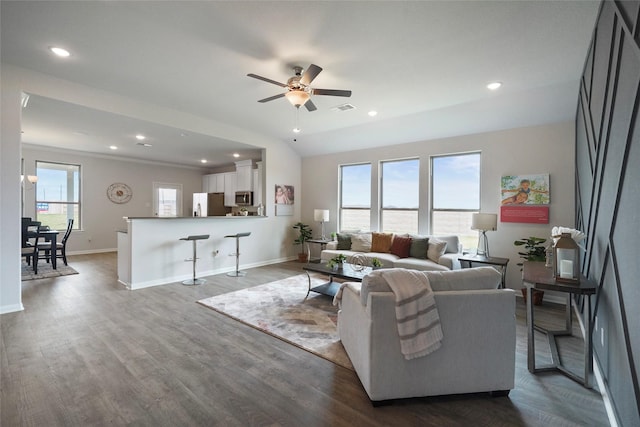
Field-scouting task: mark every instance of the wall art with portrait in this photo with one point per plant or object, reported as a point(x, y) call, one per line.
point(284, 198)
point(525, 198)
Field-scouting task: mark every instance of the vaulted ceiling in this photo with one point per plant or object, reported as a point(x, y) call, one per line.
point(422, 65)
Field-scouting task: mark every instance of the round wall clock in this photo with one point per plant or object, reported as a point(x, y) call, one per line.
point(119, 193)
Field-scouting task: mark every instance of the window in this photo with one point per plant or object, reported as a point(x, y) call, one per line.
point(400, 182)
point(167, 199)
point(58, 194)
point(355, 197)
point(455, 195)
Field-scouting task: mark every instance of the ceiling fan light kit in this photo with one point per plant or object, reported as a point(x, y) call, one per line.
point(297, 97)
point(298, 88)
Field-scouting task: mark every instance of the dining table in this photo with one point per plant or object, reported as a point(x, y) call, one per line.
point(49, 236)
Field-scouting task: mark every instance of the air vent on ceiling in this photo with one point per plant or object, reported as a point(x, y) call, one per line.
point(344, 107)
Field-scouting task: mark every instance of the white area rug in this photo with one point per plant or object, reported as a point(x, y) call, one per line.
point(279, 309)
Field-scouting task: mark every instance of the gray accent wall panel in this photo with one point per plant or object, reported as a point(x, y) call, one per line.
point(608, 198)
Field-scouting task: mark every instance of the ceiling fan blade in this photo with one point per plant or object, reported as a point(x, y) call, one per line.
point(271, 98)
point(264, 79)
point(332, 92)
point(310, 106)
point(310, 74)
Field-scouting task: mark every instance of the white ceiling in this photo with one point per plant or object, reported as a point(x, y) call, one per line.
point(423, 65)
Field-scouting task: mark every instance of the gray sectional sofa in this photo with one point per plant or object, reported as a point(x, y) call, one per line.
point(478, 346)
point(426, 253)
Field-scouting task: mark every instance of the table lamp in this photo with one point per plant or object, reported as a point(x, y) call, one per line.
point(484, 222)
point(322, 216)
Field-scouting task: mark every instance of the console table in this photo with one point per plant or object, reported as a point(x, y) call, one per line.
point(536, 276)
point(321, 242)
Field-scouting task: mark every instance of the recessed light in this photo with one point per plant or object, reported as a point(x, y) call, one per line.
point(140, 137)
point(113, 147)
point(236, 155)
point(494, 85)
point(372, 113)
point(296, 130)
point(203, 160)
point(61, 52)
point(144, 144)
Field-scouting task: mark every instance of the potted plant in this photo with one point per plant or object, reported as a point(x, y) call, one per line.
point(376, 263)
point(304, 234)
point(337, 261)
point(533, 251)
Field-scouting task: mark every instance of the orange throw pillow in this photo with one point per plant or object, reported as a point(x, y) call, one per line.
point(381, 242)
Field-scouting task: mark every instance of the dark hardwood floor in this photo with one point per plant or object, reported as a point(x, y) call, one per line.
point(87, 352)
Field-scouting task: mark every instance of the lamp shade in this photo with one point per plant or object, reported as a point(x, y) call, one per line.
point(321, 215)
point(484, 222)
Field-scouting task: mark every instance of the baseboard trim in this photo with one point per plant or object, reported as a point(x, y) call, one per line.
point(13, 308)
point(597, 373)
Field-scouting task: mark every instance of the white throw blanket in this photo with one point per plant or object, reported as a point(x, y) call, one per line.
point(416, 312)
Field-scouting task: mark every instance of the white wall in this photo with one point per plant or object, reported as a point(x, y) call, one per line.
point(282, 164)
point(541, 149)
point(100, 217)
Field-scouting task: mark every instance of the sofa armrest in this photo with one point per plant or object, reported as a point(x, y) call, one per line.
point(450, 261)
point(332, 245)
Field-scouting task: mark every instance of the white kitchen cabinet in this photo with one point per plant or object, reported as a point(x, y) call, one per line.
point(244, 175)
point(229, 188)
point(213, 183)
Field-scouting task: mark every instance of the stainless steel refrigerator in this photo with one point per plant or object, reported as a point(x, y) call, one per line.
point(209, 204)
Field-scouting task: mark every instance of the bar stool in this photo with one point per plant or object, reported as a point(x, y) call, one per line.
point(194, 239)
point(237, 273)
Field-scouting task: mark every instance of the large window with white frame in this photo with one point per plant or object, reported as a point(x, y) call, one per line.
point(399, 183)
point(58, 194)
point(455, 195)
point(355, 197)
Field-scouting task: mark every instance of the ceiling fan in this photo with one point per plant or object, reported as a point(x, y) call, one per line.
point(298, 90)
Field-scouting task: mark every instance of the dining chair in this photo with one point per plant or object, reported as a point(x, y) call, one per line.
point(60, 251)
point(30, 253)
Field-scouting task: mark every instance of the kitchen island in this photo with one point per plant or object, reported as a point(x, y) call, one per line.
point(150, 251)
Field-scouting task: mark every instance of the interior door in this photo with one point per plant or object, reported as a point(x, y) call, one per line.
point(167, 199)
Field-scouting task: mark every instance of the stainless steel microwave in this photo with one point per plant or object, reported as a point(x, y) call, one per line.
point(244, 198)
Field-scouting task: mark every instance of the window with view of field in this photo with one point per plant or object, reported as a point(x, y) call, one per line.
point(355, 197)
point(58, 194)
point(400, 181)
point(455, 196)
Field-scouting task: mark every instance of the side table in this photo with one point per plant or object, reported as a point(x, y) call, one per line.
point(467, 261)
point(321, 242)
point(536, 275)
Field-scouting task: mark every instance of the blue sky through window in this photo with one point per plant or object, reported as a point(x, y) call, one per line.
point(356, 186)
point(400, 183)
point(52, 184)
point(456, 182)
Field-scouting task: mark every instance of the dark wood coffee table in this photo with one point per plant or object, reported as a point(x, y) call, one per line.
point(331, 288)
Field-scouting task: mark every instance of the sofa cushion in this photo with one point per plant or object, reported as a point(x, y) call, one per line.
point(467, 279)
point(401, 246)
point(361, 242)
point(344, 241)
point(419, 247)
point(420, 264)
point(381, 242)
point(436, 249)
point(447, 280)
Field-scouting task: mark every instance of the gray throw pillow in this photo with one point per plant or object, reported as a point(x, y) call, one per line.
point(344, 242)
point(419, 247)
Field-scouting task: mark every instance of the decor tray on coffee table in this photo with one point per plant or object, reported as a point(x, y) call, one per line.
point(346, 271)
